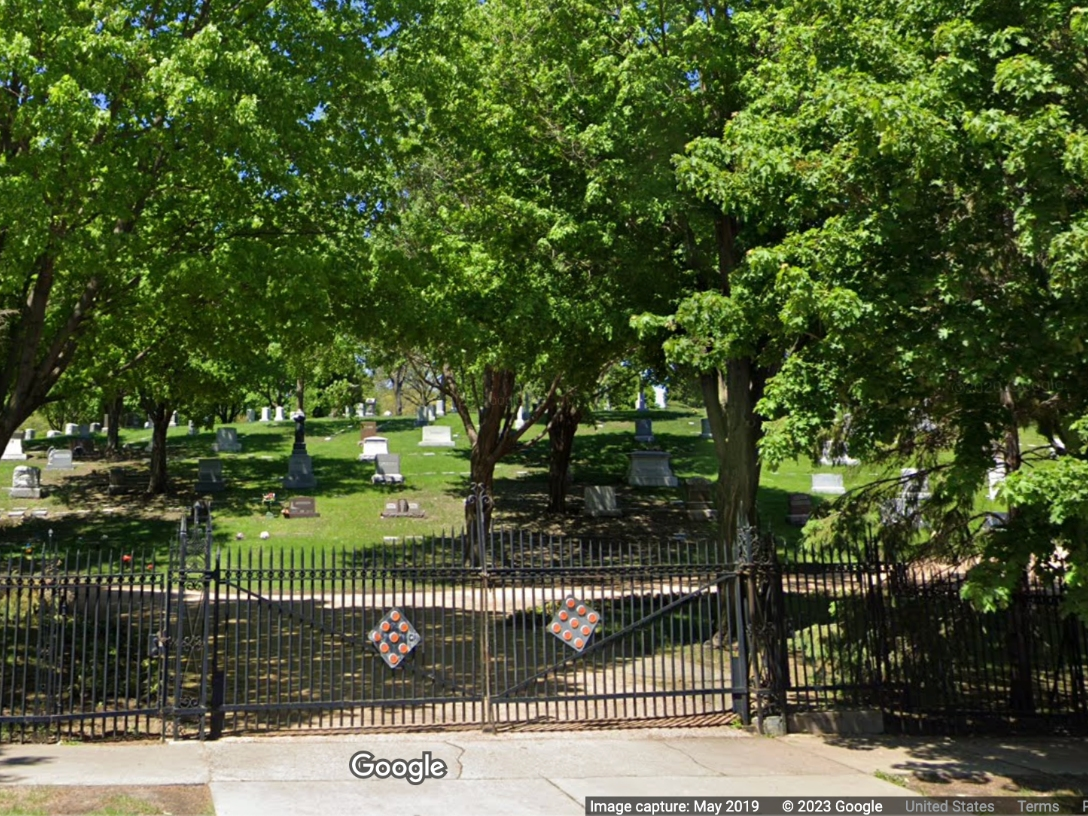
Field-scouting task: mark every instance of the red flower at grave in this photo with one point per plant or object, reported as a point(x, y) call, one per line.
point(126, 559)
point(269, 497)
point(151, 566)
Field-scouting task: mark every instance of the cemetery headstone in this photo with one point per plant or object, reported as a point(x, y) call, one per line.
point(995, 477)
point(121, 480)
point(226, 440)
point(266, 414)
point(279, 414)
point(601, 502)
point(53, 434)
point(699, 499)
point(192, 428)
point(71, 429)
point(800, 509)
point(360, 410)
point(14, 450)
point(640, 401)
point(440, 408)
point(431, 415)
point(843, 459)
point(650, 469)
point(300, 467)
point(59, 459)
point(371, 408)
point(84, 431)
point(174, 419)
point(372, 447)
point(387, 469)
point(26, 483)
point(644, 430)
point(209, 476)
point(251, 415)
point(402, 508)
point(96, 427)
point(437, 436)
point(829, 484)
point(367, 430)
point(421, 416)
point(302, 507)
point(706, 432)
point(29, 434)
point(661, 396)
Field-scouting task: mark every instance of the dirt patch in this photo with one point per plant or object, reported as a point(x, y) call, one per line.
point(107, 800)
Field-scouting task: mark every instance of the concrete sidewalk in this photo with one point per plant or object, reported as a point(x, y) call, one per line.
point(515, 773)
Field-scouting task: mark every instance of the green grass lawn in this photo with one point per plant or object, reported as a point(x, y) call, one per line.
point(83, 516)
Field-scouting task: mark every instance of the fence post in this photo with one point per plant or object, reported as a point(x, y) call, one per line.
point(477, 500)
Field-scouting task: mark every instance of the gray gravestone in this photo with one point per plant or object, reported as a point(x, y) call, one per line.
point(302, 507)
point(371, 407)
point(650, 469)
point(226, 440)
point(644, 430)
point(421, 416)
point(59, 459)
point(251, 415)
point(829, 484)
point(26, 483)
point(799, 510)
point(601, 502)
point(192, 428)
point(699, 499)
point(120, 480)
point(706, 432)
point(209, 476)
point(402, 508)
point(387, 469)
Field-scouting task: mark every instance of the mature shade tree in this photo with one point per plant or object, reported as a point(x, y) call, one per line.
point(133, 135)
point(920, 182)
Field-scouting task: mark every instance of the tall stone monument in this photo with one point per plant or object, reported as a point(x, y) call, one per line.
point(300, 467)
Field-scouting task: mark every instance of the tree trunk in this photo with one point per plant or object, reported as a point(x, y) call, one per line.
point(561, 431)
point(300, 394)
point(114, 408)
point(399, 376)
point(160, 413)
point(730, 398)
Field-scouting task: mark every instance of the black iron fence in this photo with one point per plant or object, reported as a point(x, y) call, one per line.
point(863, 633)
point(523, 629)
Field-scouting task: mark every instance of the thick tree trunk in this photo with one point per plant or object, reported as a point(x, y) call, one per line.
point(114, 408)
point(561, 431)
point(730, 398)
point(160, 413)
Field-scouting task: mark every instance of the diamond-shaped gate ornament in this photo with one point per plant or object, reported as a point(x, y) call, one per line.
point(574, 623)
point(394, 637)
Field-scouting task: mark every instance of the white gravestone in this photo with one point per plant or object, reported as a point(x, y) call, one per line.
point(661, 396)
point(601, 502)
point(650, 469)
point(432, 415)
point(96, 427)
point(226, 440)
point(71, 429)
point(174, 419)
point(29, 433)
point(437, 436)
point(192, 428)
point(829, 484)
point(26, 483)
point(53, 434)
point(373, 446)
point(209, 476)
point(440, 408)
point(640, 402)
point(266, 414)
point(644, 430)
point(279, 414)
point(14, 450)
point(827, 460)
point(59, 460)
